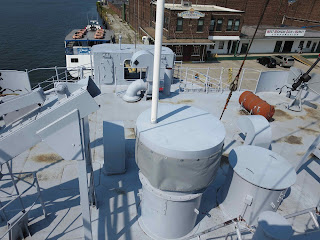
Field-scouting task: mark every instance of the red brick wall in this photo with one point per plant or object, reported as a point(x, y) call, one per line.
point(141, 13)
point(190, 26)
point(115, 9)
point(305, 9)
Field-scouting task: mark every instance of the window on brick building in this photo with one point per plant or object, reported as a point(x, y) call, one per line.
point(219, 25)
point(179, 24)
point(212, 23)
point(196, 51)
point(236, 25)
point(229, 26)
point(166, 22)
point(221, 44)
point(179, 51)
point(308, 44)
point(200, 25)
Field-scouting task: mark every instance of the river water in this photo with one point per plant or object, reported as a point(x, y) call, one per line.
point(32, 32)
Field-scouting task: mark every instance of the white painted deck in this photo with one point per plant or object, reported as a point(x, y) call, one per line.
point(118, 204)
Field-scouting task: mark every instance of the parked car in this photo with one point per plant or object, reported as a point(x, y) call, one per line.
point(284, 61)
point(267, 61)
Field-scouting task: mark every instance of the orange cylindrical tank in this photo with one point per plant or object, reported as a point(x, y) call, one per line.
point(252, 103)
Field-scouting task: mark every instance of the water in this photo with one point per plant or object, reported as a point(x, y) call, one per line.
point(32, 32)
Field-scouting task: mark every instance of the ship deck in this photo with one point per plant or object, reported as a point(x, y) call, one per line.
point(118, 204)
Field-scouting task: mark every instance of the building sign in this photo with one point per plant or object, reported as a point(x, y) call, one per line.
point(191, 14)
point(285, 33)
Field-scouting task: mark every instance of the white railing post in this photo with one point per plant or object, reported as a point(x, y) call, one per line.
point(186, 75)
point(207, 78)
point(255, 89)
point(115, 76)
point(241, 79)
point(66, 74)
point(57, 73)
point(221, 73)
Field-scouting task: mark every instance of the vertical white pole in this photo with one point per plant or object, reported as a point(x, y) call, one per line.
point(156, 61)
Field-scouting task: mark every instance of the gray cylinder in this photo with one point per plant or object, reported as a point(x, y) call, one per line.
point(167, 81)
point(182, 151)
point(257, 181)
point(272, 226)
point(178, 158)
point(167, 214)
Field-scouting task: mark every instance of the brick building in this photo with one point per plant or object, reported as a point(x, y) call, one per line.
point(299, 13)
point(226, 26)
point(191, 31)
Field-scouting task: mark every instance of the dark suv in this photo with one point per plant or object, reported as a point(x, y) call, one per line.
point(267, 61)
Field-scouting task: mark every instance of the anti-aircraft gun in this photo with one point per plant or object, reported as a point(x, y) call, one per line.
point(300, 83)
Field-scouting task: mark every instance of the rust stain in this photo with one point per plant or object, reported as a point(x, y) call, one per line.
point(42, 177)
point(243, 112)
point(293, 140)
point(47, 158)
point(281, 115)
point(130, 133)
point(32, 147)
point(309, 130)
point(48, 175)
point(185, 101)
point(313, 113)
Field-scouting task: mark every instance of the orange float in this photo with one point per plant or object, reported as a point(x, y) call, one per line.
point(255, 105)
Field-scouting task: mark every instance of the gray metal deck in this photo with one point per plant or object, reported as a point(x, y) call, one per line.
point(118, 203)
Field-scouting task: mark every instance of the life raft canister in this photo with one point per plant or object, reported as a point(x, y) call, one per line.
point(252, 103)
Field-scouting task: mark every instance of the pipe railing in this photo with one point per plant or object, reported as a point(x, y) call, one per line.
point(59, 76)
point(213, 79)
point(35, 184)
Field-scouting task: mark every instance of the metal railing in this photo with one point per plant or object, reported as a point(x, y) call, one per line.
point(35, 184)
point(62, 74)
point(214, 79)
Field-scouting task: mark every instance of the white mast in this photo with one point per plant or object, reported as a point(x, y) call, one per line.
point(157, 59)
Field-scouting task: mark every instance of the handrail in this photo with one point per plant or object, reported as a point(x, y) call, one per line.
point(33, 184)
point(215, 79)
point(28, 210)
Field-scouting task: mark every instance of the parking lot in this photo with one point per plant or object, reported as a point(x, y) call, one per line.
point(250, 64)
point(219, 74)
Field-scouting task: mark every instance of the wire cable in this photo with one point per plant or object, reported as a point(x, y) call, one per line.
point(234, 84)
